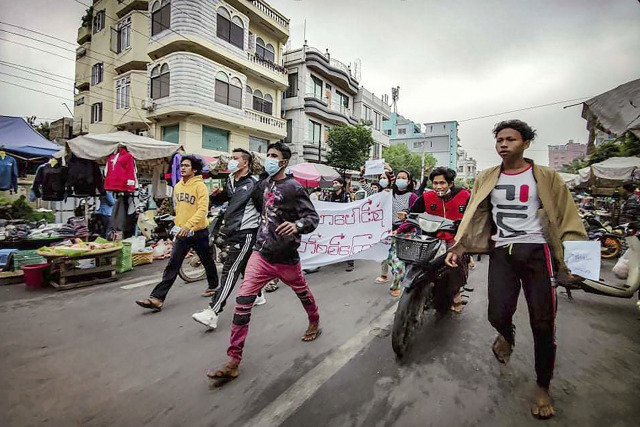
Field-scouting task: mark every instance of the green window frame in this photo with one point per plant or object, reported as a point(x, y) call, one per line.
point(215, 139)
point(171, 133)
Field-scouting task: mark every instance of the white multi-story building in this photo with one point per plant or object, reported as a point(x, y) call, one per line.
point(467, 166)
point(208, 75)
point(324, 92)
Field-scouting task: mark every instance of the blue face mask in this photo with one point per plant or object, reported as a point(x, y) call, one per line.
point(402, 184)
point(272, 166)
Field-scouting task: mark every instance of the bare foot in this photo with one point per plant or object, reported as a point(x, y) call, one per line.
point(313, 332)
point(502, 349)
point(541, 408)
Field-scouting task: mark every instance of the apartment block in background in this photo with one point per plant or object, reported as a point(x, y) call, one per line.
point(208, 75)
point(376, 110)
point(560, 155)
point(440, 138)
point(467, 166)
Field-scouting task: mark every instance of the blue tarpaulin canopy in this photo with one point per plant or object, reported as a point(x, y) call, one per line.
point(17, 136)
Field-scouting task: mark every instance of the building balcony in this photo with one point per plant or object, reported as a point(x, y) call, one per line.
point(334, 113)
point(264, 15)
point(266, 123)
point(193, 29)
point(84, 34)
point(333, 70)
point(310, 152)
point(125, 6)
point(133, 57)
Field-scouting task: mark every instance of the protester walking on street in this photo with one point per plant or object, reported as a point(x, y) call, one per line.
point(384, 183)
point(191, 199)
point(526, 211)
point(341, 195)
point(287, 213)
point(241, 221)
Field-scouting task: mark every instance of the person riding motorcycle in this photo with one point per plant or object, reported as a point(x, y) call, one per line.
point(447, 201)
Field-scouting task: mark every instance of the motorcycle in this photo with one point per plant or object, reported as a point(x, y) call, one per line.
point(618, 289)
point(424, 257)
point(192, 269)
point(610, 242)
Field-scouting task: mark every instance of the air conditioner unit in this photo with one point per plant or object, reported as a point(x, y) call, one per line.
point(144, 133)
point(148, 104)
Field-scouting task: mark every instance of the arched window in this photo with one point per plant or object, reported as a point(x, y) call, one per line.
point(160, 16)
point(262, 103)
point(265, 51)
point(230, 30)
point(228, 93)
point(247, 88)
point(160, 78)
point(270, 54)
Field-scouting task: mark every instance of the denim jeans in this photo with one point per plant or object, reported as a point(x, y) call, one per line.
point(199, 242)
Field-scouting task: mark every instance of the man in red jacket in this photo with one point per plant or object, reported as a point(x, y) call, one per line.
point(447, 201)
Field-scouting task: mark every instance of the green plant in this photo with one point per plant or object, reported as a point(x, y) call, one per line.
point(349, 147)
point(400, 157)
point(88, 17)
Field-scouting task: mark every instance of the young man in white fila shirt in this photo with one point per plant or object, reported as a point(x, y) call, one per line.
point(521, 213)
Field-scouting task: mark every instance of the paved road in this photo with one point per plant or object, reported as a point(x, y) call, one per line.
point(91, 357)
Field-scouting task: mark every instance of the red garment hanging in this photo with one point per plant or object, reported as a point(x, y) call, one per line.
point(120, 172)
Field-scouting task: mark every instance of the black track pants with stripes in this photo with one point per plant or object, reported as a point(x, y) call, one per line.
point(237, 257)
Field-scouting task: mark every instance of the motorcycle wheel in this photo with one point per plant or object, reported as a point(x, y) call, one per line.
point(408, 318)
point(610, 247)
point(192, 269)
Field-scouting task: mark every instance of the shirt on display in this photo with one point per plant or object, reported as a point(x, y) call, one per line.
point(50, 182)
point(120, 172)
point(8, 173)
point(515, 205)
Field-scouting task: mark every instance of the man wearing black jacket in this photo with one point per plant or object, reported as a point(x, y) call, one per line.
point(341, 195)
point(287, 213)
point(241, 221)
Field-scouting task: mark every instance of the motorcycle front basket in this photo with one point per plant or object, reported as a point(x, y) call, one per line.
point(415, 250)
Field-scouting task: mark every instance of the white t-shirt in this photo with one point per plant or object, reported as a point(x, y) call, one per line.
point(515, 205)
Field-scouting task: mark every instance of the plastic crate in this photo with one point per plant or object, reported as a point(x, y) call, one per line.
point(141, 258)
point(29, 257)
point(415, 250)
point(123, 261)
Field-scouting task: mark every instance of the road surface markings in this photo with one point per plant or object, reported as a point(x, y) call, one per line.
point(137, 284)
point(288, 402)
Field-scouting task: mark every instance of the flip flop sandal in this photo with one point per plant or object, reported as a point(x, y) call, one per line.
point(221, 377)
point(381, 279)
point(271, 287)
point(500, 358)
point(312, 335)
point(148, 304)
point(208, 293)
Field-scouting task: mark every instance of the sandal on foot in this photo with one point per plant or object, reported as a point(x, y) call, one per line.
point(396, 293)
point(271, 287)
point(151, 304)
point(208, 293)
point(312, 335)
point(499, 342)
point(222, 376)
point(382, 279)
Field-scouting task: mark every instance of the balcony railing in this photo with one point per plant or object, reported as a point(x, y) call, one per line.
point(333, 62)
point(278, 69)
point(265, 119)
point(270, 12)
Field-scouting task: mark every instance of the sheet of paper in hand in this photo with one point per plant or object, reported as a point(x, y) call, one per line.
point(583, 258)
point(374, 167)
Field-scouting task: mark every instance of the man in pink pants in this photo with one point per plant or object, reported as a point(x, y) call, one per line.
point(287, 213)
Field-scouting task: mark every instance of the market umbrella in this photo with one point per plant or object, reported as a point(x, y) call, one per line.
point(314, 174)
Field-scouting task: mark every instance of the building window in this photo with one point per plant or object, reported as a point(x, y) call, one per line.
point(292, 90)
point(376, 122)
point(160, 77)
point(258, 145)
point(80, 101)
point(389, 132)
point(160, 16)
point(367, 113)
point(325, 136)
point(228, 93)
point(97, 72)
point(316, 87)
point(417, 144)
point(343, 100)
point(123, 90)
point(171, 133)
point(230, 30)
point(288, 139)
point(98, 21)
point(315, 131)
point(262, 103)
point(121, 36)
point(266, 52)
point(402, 131)
point(96, 112)
point(215, 139)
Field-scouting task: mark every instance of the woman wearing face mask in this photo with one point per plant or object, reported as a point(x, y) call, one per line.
point(385, 183)
point(341, 195)
point(403, 198)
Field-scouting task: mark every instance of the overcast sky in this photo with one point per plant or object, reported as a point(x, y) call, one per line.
point(453, 60)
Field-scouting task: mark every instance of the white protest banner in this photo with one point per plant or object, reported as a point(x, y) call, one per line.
point(374, 167)
point(583, 258)
point(358, 230)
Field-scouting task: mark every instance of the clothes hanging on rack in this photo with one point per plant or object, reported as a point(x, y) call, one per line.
point(8, 173)
point(160, 188)
point(176, 175)
point(85, 178)
point(121, 173)
point(124, 216)
point(50, 182)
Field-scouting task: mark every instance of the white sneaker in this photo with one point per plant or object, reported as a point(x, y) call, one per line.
point(260, 300)
point(207, 317)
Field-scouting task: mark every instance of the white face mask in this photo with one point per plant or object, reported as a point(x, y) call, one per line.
point(383, 183)
point(233, 165)
point(402, 184)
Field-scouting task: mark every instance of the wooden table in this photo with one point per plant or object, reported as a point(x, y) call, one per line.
point(71, 277)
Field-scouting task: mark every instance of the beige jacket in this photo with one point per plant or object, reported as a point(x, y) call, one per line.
point(558, 214)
